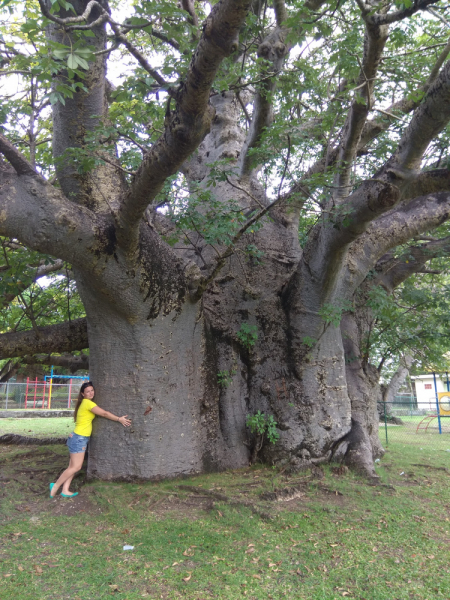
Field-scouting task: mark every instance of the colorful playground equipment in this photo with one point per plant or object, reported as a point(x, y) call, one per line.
point(442, 408)
point(40, 392)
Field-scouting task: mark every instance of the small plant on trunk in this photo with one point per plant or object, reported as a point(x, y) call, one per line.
point(263, 427)
point(224, 378)
point(248, 335)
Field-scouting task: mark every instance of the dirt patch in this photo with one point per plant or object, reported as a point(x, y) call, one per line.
point(178, 508)
point(25, 478)
point(70, 507)
point(26, 474)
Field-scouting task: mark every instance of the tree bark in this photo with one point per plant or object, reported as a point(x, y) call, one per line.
point(64, 337)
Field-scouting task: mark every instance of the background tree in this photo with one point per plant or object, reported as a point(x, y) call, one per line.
point(37, 292)
point(220, 203)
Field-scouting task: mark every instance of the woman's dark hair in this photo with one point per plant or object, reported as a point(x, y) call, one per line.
point(80, 399)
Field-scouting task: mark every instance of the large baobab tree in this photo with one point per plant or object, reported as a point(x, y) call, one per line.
point(220, 200)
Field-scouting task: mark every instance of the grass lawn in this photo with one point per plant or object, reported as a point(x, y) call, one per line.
point(39, 427)
point(331, 535)
point(423, 439)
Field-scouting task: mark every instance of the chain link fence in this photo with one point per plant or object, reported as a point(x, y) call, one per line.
point(407, 421)
point(39, 395)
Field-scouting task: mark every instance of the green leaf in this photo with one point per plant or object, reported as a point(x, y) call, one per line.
point(81, 62)
point(72, 61)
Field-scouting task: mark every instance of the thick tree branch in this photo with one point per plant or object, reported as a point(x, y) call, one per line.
point(427, 182)
point(40, 216)
point(396, 270)
point(427, 122)
point(190, 122)
point(375, 40)
point(274, 50)
point(281, 14)
point(390, 230)
point(393, 17)
point(16, 158)
point(67, 361)
point(188, 6)
point(64, 337)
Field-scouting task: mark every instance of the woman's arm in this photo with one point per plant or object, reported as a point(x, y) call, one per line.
point(104, 413)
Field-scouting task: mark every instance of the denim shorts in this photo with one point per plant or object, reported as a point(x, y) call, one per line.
point(77, 443)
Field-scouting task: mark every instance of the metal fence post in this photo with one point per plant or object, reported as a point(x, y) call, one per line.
point(385, 423)
point(7, 392)
point(437, 403)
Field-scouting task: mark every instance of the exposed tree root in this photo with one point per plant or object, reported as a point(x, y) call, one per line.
point(283, 495)
point(355, 450)
point(13, 439)
point(231, 501)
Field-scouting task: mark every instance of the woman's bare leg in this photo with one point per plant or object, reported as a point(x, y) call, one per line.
point(65, 479)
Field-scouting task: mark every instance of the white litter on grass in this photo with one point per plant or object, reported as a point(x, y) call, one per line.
point(126, 547)
point(402, 473)
point(377, 460)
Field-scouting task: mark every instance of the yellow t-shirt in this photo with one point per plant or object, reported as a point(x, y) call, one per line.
point(83, 425)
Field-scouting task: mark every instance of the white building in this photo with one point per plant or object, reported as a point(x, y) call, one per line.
point(425, 391)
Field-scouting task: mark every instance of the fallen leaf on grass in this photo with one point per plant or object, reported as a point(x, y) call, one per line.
point(7, 575)
point(175, 563)
point(20, 567)
point(114, 587)
point(189, 552)
point(38, 569)
point(255, 576)
point(188, 577)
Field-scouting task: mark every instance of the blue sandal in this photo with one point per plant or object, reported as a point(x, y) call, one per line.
point(69, 495)
point(51, 487)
